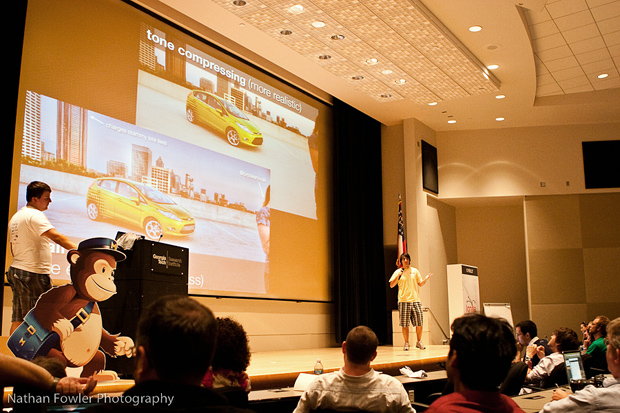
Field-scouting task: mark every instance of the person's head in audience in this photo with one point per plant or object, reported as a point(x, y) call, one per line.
point(599, 327)
point(481, 351)
point(613, 347)
point(231, 358)
point(564, 339)
point(54, 366)
point(359, 348)
point(526, 330)
point(27, 393)
point(175, 341)
point(232, 351)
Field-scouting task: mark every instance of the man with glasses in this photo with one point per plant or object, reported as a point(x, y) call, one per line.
point(527, 336)
point(595, 399)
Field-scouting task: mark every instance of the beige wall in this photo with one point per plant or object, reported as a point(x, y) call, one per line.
point(492, 238)
point(514, 161)
point(573, 246)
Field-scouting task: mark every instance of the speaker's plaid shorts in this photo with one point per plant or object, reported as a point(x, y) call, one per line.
point(410, 311)
point(27, 287)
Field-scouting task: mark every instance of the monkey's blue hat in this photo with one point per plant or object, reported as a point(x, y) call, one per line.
point(106, 245)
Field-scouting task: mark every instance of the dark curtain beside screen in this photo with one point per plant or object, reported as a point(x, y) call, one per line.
point(359, 272)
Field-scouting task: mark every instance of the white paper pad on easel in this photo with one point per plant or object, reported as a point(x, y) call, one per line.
point(413, 374)
point(303, 380)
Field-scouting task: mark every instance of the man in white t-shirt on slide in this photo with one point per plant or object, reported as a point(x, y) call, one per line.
point(30, 233)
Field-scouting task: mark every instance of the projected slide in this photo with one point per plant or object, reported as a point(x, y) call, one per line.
point(142, 127)
point(230, 112)
point(108, 175)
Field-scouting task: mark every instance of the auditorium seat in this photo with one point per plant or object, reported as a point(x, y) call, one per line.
point(557, 376)
point(514, 379)
point(594, 365)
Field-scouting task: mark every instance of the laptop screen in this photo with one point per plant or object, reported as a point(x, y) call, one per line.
point(574, 366)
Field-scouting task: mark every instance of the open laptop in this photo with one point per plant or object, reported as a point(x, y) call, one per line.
point(574, 366)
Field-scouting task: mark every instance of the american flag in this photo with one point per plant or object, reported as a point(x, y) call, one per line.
point(402, 242)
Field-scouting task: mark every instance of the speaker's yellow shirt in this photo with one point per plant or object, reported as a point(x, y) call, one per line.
point(408, 288)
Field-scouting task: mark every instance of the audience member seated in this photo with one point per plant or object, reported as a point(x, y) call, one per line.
point(585, 336)
point(175, 342)
point(27, 398)
point(562, 339)
point(597, 349)
point(481, 352)
point(595, 399)
point(527, 336)
point(227, 374)
point(356, 387)
point(15, 371)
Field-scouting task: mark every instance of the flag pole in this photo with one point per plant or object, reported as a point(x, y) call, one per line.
point(401, 240)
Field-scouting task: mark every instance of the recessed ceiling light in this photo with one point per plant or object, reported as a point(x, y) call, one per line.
point(286, 32)
point(239, 3)
point(386, 95)
point(357, 77)
point(400, 81)
point(372, 61)
point(492, 67)
point(499, 119)
point(475, 29)
point(432, 104)
point(337, 37)
point(296, 9)
point(500, 96)
point(325, 57)
point(451, 121)
point(318, 24)
point(386, 72)
point(602, 75)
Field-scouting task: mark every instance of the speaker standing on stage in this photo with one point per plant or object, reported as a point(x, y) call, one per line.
point(409, 281)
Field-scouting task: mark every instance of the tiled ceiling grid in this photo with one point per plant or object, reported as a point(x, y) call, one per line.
point(416, 60)
point(574, 41)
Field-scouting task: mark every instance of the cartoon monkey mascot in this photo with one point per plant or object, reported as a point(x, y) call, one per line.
point(66, 322)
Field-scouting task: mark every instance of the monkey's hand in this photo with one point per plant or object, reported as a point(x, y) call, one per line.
point(123, 346)
point(63, 327)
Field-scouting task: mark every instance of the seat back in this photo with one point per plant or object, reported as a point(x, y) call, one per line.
point(595, 365)
point(557, 376)
point(514, 379)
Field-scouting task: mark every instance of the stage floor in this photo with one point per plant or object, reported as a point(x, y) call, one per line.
point(276, 369)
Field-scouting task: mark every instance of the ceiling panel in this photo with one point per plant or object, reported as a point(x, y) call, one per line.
point(588, 30)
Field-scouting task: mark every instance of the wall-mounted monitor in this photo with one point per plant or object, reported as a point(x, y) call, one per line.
point(430, 176)
point(601, 164)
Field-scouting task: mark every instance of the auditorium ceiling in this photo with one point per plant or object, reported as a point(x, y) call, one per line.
point(557, 61)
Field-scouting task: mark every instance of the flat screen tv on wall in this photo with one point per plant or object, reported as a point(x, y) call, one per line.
point(601, 166)
point(430, 176)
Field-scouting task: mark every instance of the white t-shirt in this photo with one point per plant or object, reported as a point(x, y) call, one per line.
point(31, 251)
point(372, 392)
